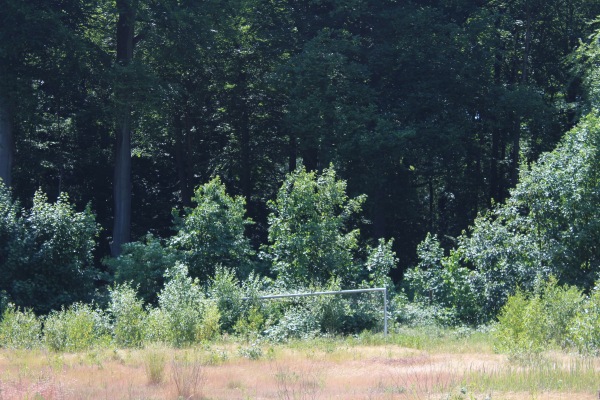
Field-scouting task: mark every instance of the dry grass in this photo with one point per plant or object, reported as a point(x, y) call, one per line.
point(319, 370)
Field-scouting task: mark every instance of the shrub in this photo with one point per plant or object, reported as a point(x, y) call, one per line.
point(561, 304)
point(157, 328)
point(309, 233)
point(446, 284)
point(181, 304)
point(143, 264)
point(76, 328)
point(19, 329)
point(250, 326)
point(296, 322)
point(584, 330)
point(227, 294)
point(128, 316)
point(212, 233)
point(210, 325)
point(50, 257)
point(521, 330)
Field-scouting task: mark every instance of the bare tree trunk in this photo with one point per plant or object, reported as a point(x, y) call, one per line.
point(6, 143)
point(182, 160)
point(122, 176)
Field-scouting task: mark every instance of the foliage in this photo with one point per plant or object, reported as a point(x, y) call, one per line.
point(50, 256)
point(584, 328)
point(547, 227)
point(9, 223)
point(209, 327)
point(381, 260)
point(309, 233)
point(227, 294)
point(143, 264)
point(128, 316)
point(181, 305)
point(446, 283)
point(521, 329)
point(561, 305)
point(431, 128)
point(78, 327)
point(212, 233)
point(551, 316)
point(19, 329)
point(296, 322)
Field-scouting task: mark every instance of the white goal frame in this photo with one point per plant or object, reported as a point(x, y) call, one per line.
point(334, 292)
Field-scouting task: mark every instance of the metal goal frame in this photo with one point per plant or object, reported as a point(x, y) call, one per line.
point(334, 292)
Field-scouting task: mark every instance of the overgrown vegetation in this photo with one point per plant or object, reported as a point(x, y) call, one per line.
point(530, 263)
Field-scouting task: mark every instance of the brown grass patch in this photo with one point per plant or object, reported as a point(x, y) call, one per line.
point(359, 372)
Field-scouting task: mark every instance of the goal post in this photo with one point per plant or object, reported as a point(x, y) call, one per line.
point(334, 292)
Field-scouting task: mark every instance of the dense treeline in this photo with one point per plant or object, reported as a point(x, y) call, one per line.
point(432, 109)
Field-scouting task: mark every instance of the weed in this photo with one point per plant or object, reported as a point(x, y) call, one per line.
point(301, 384)
point(188, 376)
point(252, 352)
point(154, 365)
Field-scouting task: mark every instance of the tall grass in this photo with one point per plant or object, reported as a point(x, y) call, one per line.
point(155, 360)
point(574, 374)
point(187, 373)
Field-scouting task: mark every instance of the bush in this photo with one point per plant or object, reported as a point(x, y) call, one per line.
point(561, 305)
point(584, 330)
point(212, 233)
point(76, 328)
point(444, 283)
point(181, 304)
point(521, 330)
point(157, 327)
point(128, 316)
point(50, 255)
point(227, 294)
point(251, 326)
point(309, 233)
point(143, 264)
point(210, 325)
point(19, 329)
point(296, 323)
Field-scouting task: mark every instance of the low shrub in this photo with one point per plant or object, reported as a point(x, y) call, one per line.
point(76, 328)
point(297, 322)
point(127, 315)
point(209, 326)
point(521, 330)
point(181, 304)
point(19, 329)
point(561, 305)
point(584, 330)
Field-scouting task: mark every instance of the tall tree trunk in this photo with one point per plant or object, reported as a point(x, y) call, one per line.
point(122, 176)
point(244, 134)
point(6, 143)
point(182, 160)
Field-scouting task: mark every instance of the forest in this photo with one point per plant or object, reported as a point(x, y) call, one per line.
point(159, 153)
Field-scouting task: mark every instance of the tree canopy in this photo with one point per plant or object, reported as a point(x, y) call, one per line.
point(436, 115)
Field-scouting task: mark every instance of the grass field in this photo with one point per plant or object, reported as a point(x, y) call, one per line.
point(414, 364)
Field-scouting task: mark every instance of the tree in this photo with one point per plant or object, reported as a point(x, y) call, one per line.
point(547, 227)
point(35, 38)
point(310, 230)
point(48, 258)
point(122, 178)
point(212, 233)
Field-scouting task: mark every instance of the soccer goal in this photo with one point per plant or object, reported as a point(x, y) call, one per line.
point(334, 292)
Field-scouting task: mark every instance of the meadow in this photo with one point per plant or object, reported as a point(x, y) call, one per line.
point(415, 363)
